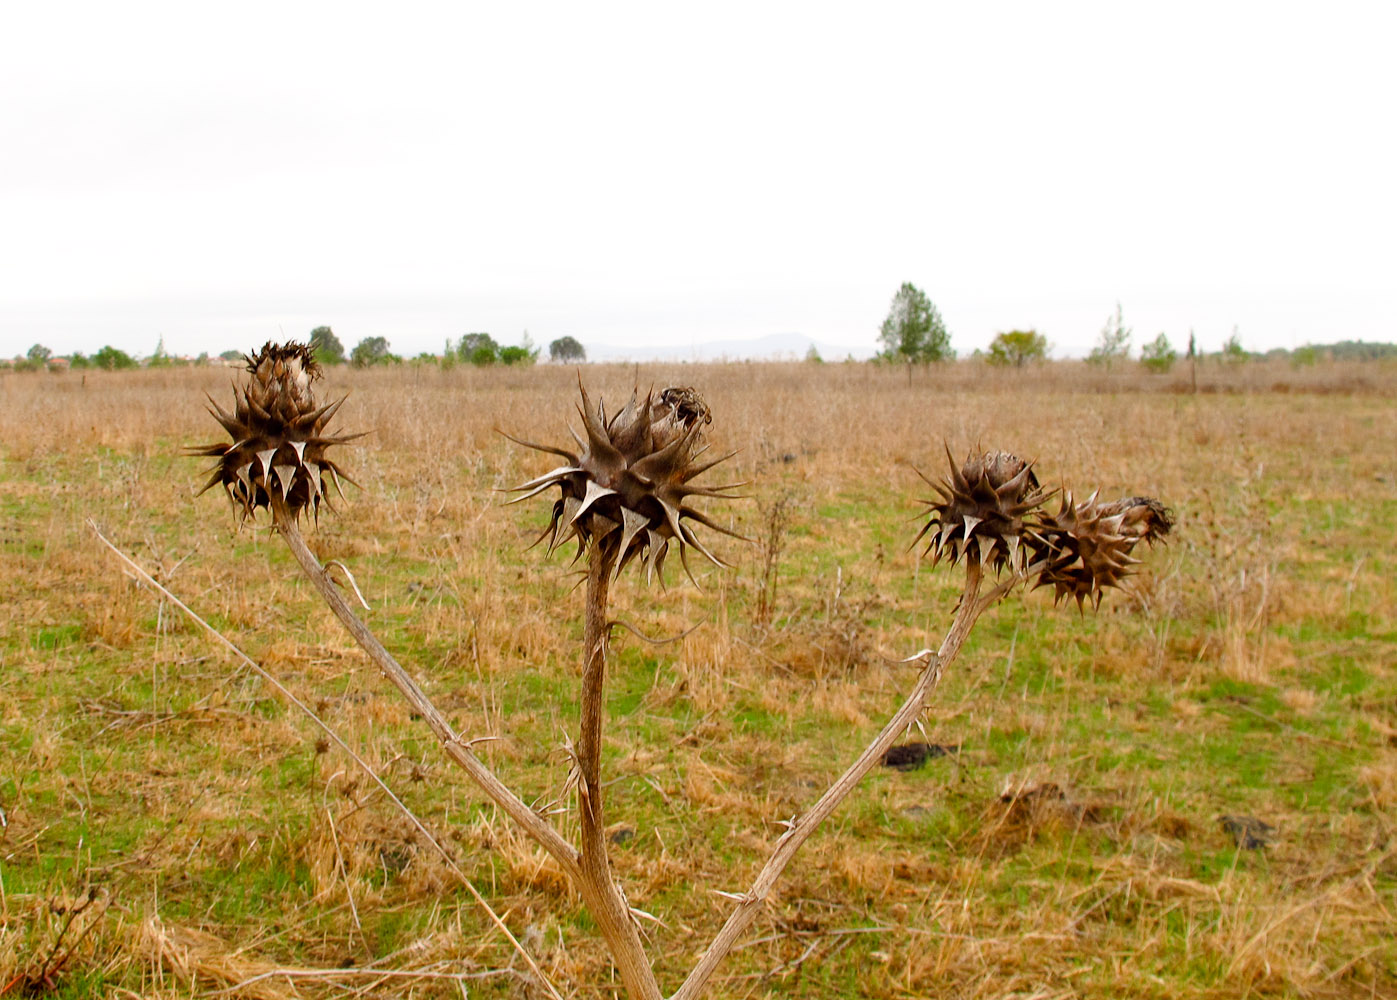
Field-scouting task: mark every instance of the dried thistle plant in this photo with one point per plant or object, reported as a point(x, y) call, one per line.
point(995, 501)
point(985, 501)
point(1087, 546)
point(279, 436)
point(623, 495)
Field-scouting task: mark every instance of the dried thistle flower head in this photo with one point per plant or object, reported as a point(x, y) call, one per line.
point(278, 432)
point(1088, 545)
point(985, 501)
point(1144, 517)
point(626, 490)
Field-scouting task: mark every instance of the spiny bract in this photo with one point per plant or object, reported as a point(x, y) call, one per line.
point(278, 433)
point(625, 491)
point(985, 500)
point(1087, 546)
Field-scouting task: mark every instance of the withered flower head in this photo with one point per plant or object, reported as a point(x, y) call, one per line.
point(278, 432)
point(1088, 545)
point(985, 501)
point(626, 491)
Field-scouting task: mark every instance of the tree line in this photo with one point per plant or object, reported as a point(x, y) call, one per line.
point(478, 349)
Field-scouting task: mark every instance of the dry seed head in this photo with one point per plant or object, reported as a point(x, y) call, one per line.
point(982, 510)
point(278, 433)
point(1088, 545)
point(626, 490)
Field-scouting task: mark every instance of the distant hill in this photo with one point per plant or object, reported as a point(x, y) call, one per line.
point(774, 347)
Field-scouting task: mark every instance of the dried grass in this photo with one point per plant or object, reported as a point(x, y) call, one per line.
point(1087, 881)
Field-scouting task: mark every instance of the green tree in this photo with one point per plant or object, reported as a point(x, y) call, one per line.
point(326, 346)
point(1017, 348)
point(479, 349)
point(566, 350)
point(1114, 342)
point(1305, 357)
point(1158, 356)
point(38, 356)
point(369, 351)
point(914, 330)
point(1232, 351)
point(112, 358)
point(518, 355)
point(231, 355)
point(79, 360)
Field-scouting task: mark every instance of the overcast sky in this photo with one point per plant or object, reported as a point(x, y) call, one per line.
point(637, 173)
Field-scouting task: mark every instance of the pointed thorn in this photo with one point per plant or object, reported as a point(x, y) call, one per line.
point(595, 491)
point(286, 474)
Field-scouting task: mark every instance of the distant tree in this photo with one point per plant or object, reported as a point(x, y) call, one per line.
point(566, 350)
point(326, 346)
point(812, 356)
point(79, 360)
point(161, 358)
point(39, 355)
point(1158, 356)
point(914, 330)
point(521, 355)
point(112, 358)
point(369, 351)
point(1017, 348)
point(1232, 350)
point(230, 355)
point(1193, 360)
point(1305, 357)
point(525, 354)
point(1114, 342)
point(479, 349)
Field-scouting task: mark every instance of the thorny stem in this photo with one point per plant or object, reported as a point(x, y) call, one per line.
point(967, 613)
point(457, 749)
point(604, 896)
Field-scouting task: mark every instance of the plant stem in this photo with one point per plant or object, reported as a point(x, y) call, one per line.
point(457, 749)
point(967, 613)
point(604, 897)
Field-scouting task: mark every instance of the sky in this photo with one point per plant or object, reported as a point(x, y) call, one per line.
point(641, 174)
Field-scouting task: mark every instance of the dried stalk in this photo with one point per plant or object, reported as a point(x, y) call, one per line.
point(752, 901)
point(457, 749)
point(604, 897)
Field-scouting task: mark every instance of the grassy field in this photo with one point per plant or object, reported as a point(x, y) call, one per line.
point(172, 828)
